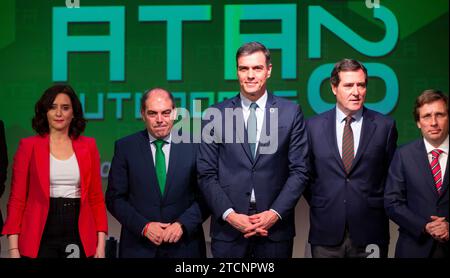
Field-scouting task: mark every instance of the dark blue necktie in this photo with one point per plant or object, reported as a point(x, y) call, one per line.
point(251, 128)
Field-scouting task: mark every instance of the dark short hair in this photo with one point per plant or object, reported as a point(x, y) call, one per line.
point(149, 91)
point(250, 48)
point(40, 121)
point(346, 65)
point(428, 96)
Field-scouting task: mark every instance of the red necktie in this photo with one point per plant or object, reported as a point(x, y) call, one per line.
point(436, 169)
point(347, 145)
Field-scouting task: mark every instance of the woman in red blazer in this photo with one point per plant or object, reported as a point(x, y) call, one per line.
point(56, 207)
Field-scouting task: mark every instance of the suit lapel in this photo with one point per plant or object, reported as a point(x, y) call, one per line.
point(42, 160)
point(84, 161)
point(175, 154)
point(445, 181)
point(367, 130)
point(421, 158)
point(270, 105)
point(246, 147)
point(147, 157)
point(330, 134)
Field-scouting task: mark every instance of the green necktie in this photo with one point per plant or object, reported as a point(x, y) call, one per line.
point(160, 164)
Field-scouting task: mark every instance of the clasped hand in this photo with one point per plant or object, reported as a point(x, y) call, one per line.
point(438, 228)
point(158, 232)
point(256, 224)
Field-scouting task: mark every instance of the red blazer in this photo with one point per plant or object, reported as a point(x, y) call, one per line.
point(29, 200)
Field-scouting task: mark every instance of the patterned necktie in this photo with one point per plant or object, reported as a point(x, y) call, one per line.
point(436, 169)
point(348, 152)
point(251, 128)
point(160, 164)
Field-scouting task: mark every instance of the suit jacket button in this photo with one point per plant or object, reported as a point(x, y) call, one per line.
point(347, 180)
point(345, 201)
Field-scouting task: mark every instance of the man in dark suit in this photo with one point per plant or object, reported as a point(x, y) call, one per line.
point(350, 151)
point(3, 166)
point(161, 214)
point(417, 194)
point(253, 181)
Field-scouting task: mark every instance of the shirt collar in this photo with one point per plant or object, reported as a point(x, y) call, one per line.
point(340, 116)
point(261, 102)
point(166, 139)
point(443, 146)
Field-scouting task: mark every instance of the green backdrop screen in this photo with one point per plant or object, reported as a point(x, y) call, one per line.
point(112, 51)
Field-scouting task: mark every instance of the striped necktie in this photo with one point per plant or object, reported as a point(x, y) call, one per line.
point(436, 169)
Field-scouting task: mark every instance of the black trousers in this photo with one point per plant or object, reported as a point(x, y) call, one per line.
point(61, 238)
point(440, 250)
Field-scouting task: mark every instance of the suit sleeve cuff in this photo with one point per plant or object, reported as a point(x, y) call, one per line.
point(226, 213)
point(279, 216)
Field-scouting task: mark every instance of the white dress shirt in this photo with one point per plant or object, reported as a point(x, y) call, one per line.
point(165, 148)
point(259, 112)
point(355, 125)
point(442, 158)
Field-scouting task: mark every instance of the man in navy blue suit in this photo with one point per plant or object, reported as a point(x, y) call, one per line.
point(350, 151)
point(152, 187)
point(416, 195)
point(253, 182)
